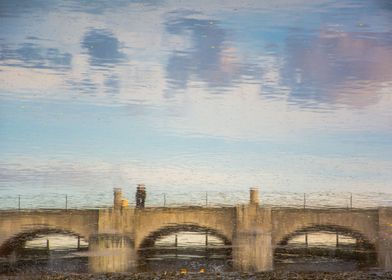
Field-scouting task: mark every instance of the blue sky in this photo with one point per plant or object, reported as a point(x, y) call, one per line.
point(290, 95)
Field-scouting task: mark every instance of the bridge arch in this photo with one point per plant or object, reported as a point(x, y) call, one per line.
point(346, 231)
point(150, 239)
point(159, 250)
point(151, 222)
point(362, 223)
point(81, 222)
point(19, 239)
point(348, 254)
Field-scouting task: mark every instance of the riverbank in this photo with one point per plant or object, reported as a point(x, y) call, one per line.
point(228, 275)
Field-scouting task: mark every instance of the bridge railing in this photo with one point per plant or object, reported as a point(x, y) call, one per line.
point(200, 199)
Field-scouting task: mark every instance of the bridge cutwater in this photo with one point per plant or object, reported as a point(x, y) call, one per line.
point(118, 234)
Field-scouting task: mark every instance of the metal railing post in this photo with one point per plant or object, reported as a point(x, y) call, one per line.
point(19, 202)
point(351, 201)
point(306, 239)
point(66, 202)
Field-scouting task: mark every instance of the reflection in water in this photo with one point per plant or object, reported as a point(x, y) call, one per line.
point(194, 239)
point(191, 96)
point(193, 251)
point(47, 252)
point(322, 239)
point(338, 67)
point(32, 55)
point(210, 57)
point(246, 237)
point(56, 242)
point(198, 101)
point(325, 251)
point(103, 48)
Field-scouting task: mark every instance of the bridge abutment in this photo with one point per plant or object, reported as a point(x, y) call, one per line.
point(112, 249)
point(112, 253)
point(252, 243)
point(385, 238)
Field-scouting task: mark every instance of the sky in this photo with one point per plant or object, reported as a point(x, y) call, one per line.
point(194, 96)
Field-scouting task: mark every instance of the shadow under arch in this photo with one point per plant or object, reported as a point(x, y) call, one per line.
point(147, 248)
point(19, 240)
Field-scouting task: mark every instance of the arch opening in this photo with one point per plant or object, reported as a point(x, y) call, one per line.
point(44, 249)
point(190, 247)
point(325, 248)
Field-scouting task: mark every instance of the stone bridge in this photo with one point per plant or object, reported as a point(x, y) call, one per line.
point(117, 234)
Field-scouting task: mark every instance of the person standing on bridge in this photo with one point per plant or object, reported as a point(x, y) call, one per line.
point(140, 196)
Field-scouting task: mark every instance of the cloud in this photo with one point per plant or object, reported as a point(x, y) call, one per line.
point(209, 58)
point(337, 67)
point(103, 48)
point(32, 55)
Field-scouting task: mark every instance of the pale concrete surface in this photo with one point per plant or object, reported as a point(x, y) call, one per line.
point(252, 230)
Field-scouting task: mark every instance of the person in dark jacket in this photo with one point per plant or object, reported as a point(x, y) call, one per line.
point(140, 196)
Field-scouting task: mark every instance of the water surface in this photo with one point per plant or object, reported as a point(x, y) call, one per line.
point(292, 96)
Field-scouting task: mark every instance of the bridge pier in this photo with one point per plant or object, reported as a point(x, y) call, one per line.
point(385, 238)
point(252, 242)
point(112, 253)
